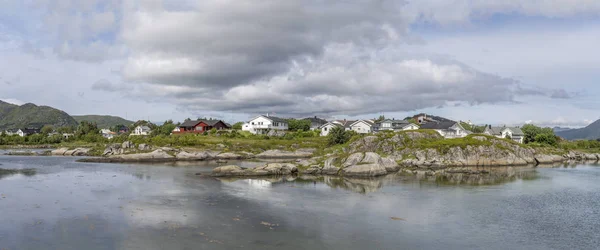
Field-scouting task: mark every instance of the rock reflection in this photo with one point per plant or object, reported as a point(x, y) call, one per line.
point(477, 175)
point(447, 176)
point(8, 172)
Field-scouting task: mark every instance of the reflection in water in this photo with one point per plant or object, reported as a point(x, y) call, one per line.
point(454, 176)
point(25, 172)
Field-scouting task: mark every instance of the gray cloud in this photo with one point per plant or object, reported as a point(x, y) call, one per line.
point(560, 94)
point(105, 85)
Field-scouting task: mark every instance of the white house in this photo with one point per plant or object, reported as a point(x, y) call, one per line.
point(448, 129)
point(327, 127)
point(394, 125)
point(262, 124)
point(362, 126)
point(141, 130)
point(106, 133)
point(10, 132)
point(27, 131)
point(514, 133)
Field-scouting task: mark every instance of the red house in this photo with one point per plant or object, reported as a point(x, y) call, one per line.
point(200, 126)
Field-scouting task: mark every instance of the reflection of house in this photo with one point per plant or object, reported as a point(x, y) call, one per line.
point(327, 127)
point(200, 126)
point(106, 133)
point(514, 133)
point(262, 124)
point(315, 122)
point(27, 131)
point(142, 130)
point(448, 129)
point(394, 125)
point(362, 126)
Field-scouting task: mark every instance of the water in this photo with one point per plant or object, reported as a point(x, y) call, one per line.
point(69, 205)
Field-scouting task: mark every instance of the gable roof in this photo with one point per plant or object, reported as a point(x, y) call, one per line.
point(190, 123)
point(144, 128)
point(332, 123)
point(495, 130)
point(368, 122)
point(515, 131)
point(439, 125)
point(211, 122)
point(272, 118)
point(316, 120)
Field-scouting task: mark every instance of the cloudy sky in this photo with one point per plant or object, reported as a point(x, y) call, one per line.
point(488, 61)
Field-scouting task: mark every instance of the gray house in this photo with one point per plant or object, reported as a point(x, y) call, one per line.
point(514, 133)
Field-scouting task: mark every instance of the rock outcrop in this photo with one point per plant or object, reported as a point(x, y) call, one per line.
point(265, 170)
point(548, 159)
point(70, 152)
point(281, 154)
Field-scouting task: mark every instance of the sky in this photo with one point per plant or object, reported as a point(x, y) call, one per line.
point(501, 62)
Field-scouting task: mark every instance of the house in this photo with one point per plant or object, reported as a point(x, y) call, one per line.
point(362, 126)
point(142, 130)
point(106, 133)
point(327, 127)
point(262, 124)
point(394, 125)
point(447, 129)
point(513, 133)
point(122, 129)
point(11, 132)
point(27, 131)
point(200, 126)
point(315, 122)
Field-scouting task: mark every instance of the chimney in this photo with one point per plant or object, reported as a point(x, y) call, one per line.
point(315, 117)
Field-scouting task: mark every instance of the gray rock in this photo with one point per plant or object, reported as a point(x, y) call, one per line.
point(281, 154)
point(154, 156)
point(194, 156)
point(144, 147)
point(127, 145)
point(353, 159)
point(371, 157)
point(59, 151)
point(329, 168)
point(265, 170)
point(390, 165)
point(548, 159)
point(364, 170)
point(313, 170)
point(229, 156)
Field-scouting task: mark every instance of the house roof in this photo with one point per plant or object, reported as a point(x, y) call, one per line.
point(144, 127)
point(190, 123)
point(345, 123)
point(438, 125)
point(30, 130)
point(515, 131)
point(315, 120)
point(331, 123)
point(211, 122)
point(393, 121)
point(368, 122)
point(495, 130)
point(272, 118)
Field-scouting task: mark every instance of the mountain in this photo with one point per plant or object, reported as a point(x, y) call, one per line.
point(591, 132)
point(103, 121)
point(560, 129)
point(32, 116)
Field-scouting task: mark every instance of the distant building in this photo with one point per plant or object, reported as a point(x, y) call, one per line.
point(11, 132)
point(327, 127)
point(200, 126)
point(513, 133)
point(262, 124)
point(106, 133)
point(28, 131)
point(362, 126)
point(142, 130)
point(447, 129)
point(315, 122)
point(394, 125)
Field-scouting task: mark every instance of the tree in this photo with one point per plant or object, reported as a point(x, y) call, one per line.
point(165, 129)
point(381, 118)
point(338, 135)
point(237, 126)
point(64, 130)
point(86, 128)
point(540, 135)
point(47, 129)
point(298, 125)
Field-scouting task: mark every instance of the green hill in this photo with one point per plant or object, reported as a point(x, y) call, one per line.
point(32, 116)
point(591, 132)
point(103, 121)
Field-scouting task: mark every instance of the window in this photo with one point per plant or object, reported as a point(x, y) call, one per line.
point(325, 129)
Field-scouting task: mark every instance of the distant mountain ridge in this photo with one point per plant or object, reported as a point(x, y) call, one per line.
point(103, 121)
point(30, 115)
point(591, 132)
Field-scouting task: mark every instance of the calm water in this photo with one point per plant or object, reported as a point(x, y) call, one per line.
point(69, 205)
